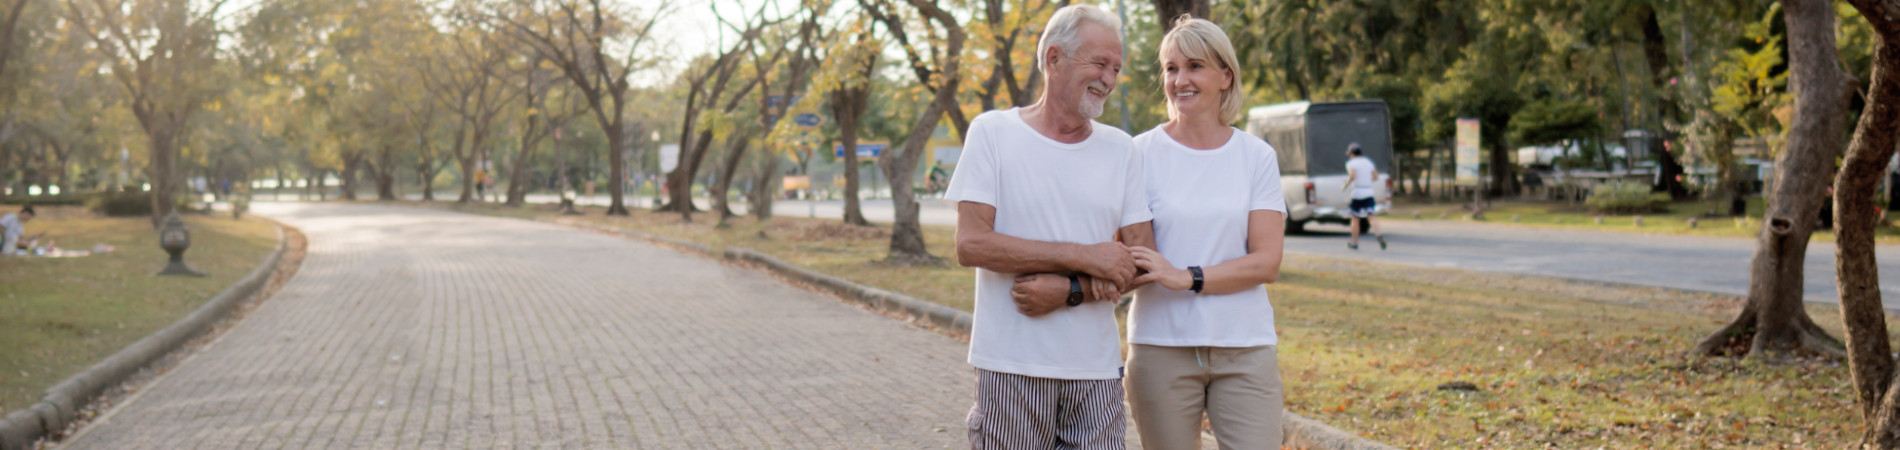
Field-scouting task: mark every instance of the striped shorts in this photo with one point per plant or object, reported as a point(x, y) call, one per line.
point(1024, 412)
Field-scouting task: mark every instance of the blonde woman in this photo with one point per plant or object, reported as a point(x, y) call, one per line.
point(1201, 332)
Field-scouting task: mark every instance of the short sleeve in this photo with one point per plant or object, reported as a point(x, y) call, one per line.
point(976, 178)
point(1135, 190)
point(1267, 193)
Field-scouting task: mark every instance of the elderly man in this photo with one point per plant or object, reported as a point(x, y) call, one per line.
point(1042, 189)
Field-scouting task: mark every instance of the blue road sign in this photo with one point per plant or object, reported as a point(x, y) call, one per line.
point(864, 150)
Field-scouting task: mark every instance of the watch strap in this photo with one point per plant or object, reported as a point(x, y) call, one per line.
point(1075, 290)
point(1199, 279)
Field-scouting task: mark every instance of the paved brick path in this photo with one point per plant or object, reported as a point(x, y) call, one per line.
point(413, 328)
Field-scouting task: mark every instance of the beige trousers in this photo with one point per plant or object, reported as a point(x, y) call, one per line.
point(1169, 388)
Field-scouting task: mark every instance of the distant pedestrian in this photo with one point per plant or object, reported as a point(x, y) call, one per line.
point(481, 184)
point(1361, 177)
point(13, 231)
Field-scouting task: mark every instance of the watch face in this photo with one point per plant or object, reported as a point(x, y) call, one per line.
point(1075, 299)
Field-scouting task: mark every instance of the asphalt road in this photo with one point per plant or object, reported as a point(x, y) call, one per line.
point(1707, 264)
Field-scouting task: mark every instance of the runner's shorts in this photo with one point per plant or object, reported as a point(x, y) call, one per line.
point(1362, 207)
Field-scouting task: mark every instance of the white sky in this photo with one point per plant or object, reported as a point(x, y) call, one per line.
point(692, 29)
point(689, 29)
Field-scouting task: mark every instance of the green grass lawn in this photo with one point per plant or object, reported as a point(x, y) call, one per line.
point(1364, 346)
point(1575, 216)
point(61, 315)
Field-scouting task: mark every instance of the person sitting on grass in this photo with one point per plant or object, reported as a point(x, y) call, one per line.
point(13, 231)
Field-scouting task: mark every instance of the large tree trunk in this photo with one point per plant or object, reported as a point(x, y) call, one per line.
point(1869, 353)
point(1167, 10)
point(518, 172)
point(1503, 172)
point(426, 176)
point(1774, 321)
point(617, 157)
point(736, 146)
point(164, 170)
point(766, 189)
point(385, 173)
point(1870, 356)
point(907, 233)
point(352, 165)
point(846, 105)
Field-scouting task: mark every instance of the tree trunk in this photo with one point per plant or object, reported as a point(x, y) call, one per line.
point(1869, 353)
point(385, 173)
point(1167, 10)
point(352, 165)
point(164, 172)
point(617, 158)
point(766, 189)
point(524, 158)
point(426, 176)
point(1503, 173)
point(323, 193)
point(907, 233)
point(468, 164)
point(846, 105)
point(1774, 322)
point(1870, 357)
point(736, 146)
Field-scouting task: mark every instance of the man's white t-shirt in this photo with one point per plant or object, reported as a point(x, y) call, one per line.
point(10, 232)
point(1366, 177)
point(1045, 190)
point(1201, 200)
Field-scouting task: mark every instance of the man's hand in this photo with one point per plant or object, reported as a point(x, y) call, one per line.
point(1109, 261)
point(1096, 289)
point(1040, 293)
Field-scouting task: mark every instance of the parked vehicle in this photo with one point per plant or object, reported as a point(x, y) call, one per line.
point(1311, 140)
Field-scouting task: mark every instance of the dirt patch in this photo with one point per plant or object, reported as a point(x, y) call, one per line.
point(828, 231)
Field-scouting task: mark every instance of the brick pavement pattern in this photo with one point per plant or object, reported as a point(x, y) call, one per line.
point(411, 328)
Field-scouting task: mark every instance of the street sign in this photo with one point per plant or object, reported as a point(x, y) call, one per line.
point(774, 106)
point(669, 157)
point(865, 151)
point(808, 120)
point(1468, 142)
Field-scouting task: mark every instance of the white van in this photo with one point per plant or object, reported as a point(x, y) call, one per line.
point(1311, 140)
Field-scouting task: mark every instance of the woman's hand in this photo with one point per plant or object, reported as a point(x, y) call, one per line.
point(1160, 270)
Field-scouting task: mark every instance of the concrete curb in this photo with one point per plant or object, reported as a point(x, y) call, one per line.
point(20, 429)
point(1300, 433)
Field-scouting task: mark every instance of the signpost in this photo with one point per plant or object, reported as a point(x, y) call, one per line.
point(669, 158)
point(866, 152)
point(774, 106)
point(1468, 143)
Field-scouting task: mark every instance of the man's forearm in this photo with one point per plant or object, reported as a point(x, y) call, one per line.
point(1009, 254)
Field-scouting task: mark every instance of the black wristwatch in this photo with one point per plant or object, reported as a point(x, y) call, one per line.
point(1198, 278)
point(1075, 290)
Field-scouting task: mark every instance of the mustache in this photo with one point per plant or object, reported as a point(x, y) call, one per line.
point(1098, 84)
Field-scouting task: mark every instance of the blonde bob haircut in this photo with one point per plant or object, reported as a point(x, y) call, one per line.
point(1203, 40)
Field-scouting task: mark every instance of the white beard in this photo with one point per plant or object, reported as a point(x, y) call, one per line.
point(1092, 108)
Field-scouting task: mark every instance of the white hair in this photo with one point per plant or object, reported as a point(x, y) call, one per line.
point(1064, 29)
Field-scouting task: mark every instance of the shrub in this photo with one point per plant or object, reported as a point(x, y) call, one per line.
point(1626, 198)
point(122, 204)
point(43, 200)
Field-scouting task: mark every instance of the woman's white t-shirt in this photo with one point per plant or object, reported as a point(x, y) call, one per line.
point(1200, 200)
